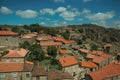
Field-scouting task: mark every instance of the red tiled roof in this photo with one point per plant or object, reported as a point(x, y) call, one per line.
point(108, 71)
point(90, 56)
point(68, 61)
point(84, 50)
point(98, 59)
point(88, 64)
point(45, 38)
point(63, 51)
point(104, 55)
point(16, 53)
point(94, 52)
point(54, 74)
point(50, 44)
point(11, 67)
point(39, 71)
point(7, 33)
point(31, 35)
point(108, 45)
point(68, 41)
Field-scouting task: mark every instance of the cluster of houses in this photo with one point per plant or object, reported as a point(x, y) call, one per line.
point(77, 63)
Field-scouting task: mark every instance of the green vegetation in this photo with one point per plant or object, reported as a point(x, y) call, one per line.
point(52, 51)
point(66, 35)
point(94, 47)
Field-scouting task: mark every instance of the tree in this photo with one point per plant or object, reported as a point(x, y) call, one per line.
point(52, 51)
point(25, 45)
point(94, 47)
point(66, 35)
point(36, 53)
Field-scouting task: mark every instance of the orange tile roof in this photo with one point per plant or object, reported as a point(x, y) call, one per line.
point(98, 59)
point(108, 45)
point(45, 38)
point(68, 61)
point(88, 64)
point(63, 51)
point(50, 44)
point(58, 38)
point(16, 53)
point(90, 56)
point(104, 55)
point(68, 41)
point(31, 35)
point(7, 33)
point(11, 67)
point(84, 50)
point(94, 52)
point(108, 71)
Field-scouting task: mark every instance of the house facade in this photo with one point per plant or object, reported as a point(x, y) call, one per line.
point(9, 39)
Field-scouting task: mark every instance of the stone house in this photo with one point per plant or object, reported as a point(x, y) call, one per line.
point(39, 73)
point(15, 71)
point(107, 47)
point(30, 37)
point(54, 74)
point(86, 67)
point(45, 39)
point(109, 72)
point(70, 64)
point(83, 52)
point(9, 39)
point(15, 56)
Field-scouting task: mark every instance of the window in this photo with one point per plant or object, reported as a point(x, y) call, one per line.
point(14, 75)
point(27, 75)
point(2, 75)
point(74, 73)
point(17, 60)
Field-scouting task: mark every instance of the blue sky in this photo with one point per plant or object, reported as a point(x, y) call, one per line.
point(60, 12)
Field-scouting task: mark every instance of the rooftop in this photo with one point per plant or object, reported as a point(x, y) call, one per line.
point(68, 61)
point(27, 36)
point(107, 45)
point(54, 74)
point(63, 51)
point(98, 59)
point(39, 71)
point(44, 38)
point(16, 53)
point(88, 64)
point(8, 33)
point(106, 72)
point(84, 50)
point(90, 56)
point(50, 44)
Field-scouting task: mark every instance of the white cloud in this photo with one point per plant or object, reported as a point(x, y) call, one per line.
point(26, 13)
point(101, 16)
point(69, 15)
point(86, 11)
point(42, 23)
point(62, 1)
point(5, 10)
point(60, 9)
point(87, 0)
point(47, 11)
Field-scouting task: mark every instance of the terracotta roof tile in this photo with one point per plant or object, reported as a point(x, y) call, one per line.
point(94, 52)
point(63, 51)
point(45, 38)
point(54, 74)
point(27, 36)
point(68, 61)
point(84, 50)
point(7, 33)
point(39, 71)
point(88, 64)
point(90, 56)
point(11, 67)
point(16, 53)
point(108, 71)
point(50, 44)
point(98, 59)
point(104, 55)
point(108, 45)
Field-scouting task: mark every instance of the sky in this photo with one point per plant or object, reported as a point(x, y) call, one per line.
point(60, 12)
